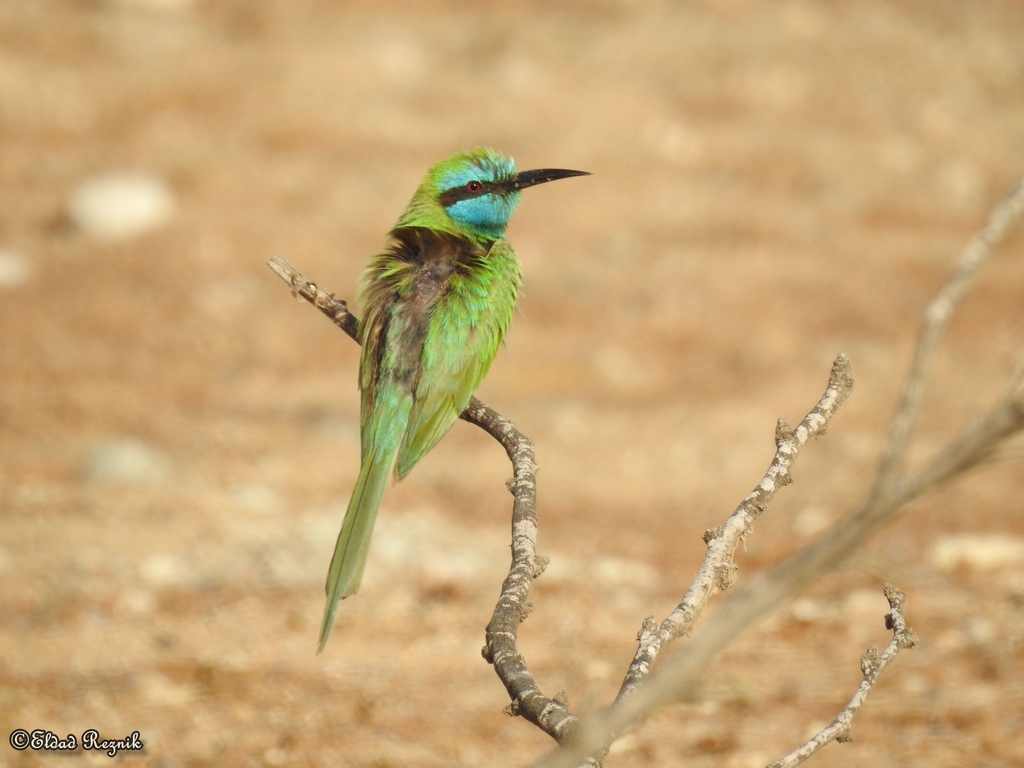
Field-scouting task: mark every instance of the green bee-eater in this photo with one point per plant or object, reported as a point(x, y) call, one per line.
point(436, 304)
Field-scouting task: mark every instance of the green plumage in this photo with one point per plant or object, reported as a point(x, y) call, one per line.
point(436, 304)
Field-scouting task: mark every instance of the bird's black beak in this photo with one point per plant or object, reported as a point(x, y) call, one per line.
point(525, 179)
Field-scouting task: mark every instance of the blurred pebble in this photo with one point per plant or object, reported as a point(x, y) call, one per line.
point(160, 690)
point(121, 206)
point(980, 632)
point(15, 269)
point(124, 461)
point(164, 570)
point(983, 551)
point(811, 520)
point(806, 610)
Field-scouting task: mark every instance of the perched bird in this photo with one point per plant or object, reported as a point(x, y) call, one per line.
point(436, 304)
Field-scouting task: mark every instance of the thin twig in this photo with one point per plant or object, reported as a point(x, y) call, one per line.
point(550, 715)
point(717, 571)
point(936, 318)
point(872, 664)
point(302, 287)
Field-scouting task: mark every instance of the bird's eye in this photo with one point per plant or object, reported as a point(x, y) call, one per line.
point(474, 186)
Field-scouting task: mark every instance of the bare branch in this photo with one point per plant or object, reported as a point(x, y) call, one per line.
point(717, 570)
point(936, 318)
point(550, 715)
point(302, 287)
point(872, 665)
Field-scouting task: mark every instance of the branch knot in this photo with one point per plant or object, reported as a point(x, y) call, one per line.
point(649, 627)
point(870, 661)
point(725, 575)
point(783, 432)
point(713, 533)
point(540, 564)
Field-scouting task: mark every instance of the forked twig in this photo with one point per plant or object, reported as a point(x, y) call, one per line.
point(872, 664)
point(718, 569)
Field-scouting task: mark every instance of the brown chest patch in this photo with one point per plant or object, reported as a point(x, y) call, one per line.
point(432, 259)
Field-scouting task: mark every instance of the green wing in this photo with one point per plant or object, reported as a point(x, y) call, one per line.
point(465, 331)
point(385, 279)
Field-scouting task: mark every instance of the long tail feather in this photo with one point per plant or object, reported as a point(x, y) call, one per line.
point(354, 540)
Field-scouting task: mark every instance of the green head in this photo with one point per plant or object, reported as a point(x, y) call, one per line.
point(476, 191)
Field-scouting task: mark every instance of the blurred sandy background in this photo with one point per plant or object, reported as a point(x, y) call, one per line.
point(774, 183)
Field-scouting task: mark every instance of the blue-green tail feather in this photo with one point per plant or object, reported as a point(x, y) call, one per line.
point(349, 561)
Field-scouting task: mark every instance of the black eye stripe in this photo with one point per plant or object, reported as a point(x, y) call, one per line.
point(452, 196)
